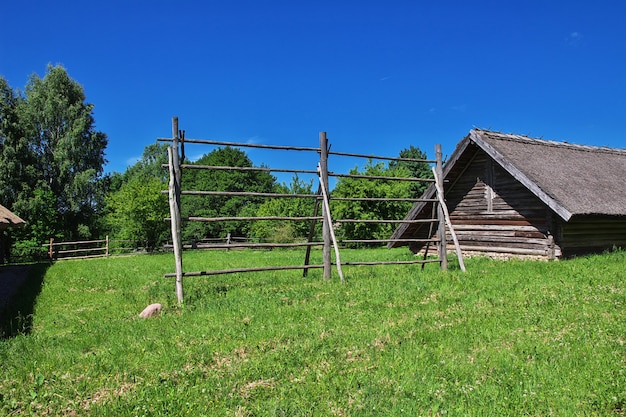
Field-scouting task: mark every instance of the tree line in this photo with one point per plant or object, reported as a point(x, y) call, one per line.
point(52, 176)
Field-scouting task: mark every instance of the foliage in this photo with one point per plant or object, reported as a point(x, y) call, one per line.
point(222, 206)
point(286, 231)
point(49, 144)
point(150, 166)
point(507, 338)
point(137, 212)
point(416, 169)
point(371, 210)
point(136, 209)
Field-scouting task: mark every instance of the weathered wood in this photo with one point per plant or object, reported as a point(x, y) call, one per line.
point(383, 158)
point(243, 145)
point(521, 177)
point(377, 177)
point(241, 270)
point(243, 169)
point(417, 221)
point(410, 200)
point(441, 221)
point(415, 262)
point(307, 255)
point(80, 242)
point(326, 226)
point(439, 185)
point(387, 240)
point(251, 245)
point(328, 219)
point(175, 227)
point(231, 219)
point(63, 252)
point(247, 194)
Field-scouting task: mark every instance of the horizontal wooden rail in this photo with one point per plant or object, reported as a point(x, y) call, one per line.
point(60, 252)
point(412, 200)
point(247, 245)
point(389, 240)
point(235, 219)
point(85, 242)
point(384, 158)
point(240, 270)
point(386, 221)
point(243, 145)
point(244, 169)
point(380, 177)
point(245, 193)
point(421, 261)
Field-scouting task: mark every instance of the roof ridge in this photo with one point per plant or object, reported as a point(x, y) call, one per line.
point(544, 142)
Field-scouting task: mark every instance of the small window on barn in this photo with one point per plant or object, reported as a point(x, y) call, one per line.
point(490, 179)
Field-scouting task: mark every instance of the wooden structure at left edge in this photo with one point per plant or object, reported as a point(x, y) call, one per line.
point(514, 196)
point(7, 219)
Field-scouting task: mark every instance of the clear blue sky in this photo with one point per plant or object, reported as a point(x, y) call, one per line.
point(378, 76)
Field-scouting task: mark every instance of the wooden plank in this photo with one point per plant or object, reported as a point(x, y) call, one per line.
point(442, 202)
point(243, 145)
point(244, 270)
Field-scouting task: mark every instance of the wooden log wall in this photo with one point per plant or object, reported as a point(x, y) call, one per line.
point(493, 213)
point(589, 235)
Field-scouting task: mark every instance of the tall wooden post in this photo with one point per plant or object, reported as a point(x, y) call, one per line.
point(106, 243)
point(51, 249)
point(174, 200)
point(326, 222)
point(441, 231)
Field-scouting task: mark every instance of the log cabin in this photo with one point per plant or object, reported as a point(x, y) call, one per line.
point(514, 196)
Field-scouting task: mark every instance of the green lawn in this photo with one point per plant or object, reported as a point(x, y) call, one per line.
point(506, 338)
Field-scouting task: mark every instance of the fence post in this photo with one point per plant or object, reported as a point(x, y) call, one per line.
point(441, 231)
point(326, 221)
point(107, 245)
point(51, 250)
point(174, 200)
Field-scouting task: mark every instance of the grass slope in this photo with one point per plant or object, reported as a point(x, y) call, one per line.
point(507, 338)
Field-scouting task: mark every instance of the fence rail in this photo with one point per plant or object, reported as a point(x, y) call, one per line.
point(84, 249)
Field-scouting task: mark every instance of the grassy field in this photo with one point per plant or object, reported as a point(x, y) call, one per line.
point(506, 338)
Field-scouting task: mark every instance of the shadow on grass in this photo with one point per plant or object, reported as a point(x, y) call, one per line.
point(19, 287)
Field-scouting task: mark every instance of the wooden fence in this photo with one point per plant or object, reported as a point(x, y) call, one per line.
point(322, 199)
point(86, 248)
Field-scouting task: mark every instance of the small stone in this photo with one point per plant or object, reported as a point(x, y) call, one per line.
point(151, 310)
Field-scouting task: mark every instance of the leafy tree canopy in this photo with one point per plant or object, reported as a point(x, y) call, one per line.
point(49, 143)
point(222, 206)
point(286, 231)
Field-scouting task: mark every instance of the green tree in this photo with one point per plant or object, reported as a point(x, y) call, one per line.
point(416, 169)
point(222, 206)
point(135, 206)
point(287, 230)
point(371, 210)
point(68, 152)
point(137, 212)
point(17, 175)
point(51, 158)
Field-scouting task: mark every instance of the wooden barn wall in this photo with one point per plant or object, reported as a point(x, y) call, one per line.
point(492, 213)
point(588, 235)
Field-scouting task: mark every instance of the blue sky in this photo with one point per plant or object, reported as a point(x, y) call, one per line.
point(378, 76)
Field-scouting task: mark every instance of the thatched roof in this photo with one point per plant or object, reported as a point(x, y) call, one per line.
point(8, 219)
point(573, 180)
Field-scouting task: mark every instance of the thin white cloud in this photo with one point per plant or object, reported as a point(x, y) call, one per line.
point(133, 160)
point(460, 108)
point(574, 38)
point(253, 140)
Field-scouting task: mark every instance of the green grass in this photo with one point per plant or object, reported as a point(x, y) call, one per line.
point(506, 338)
